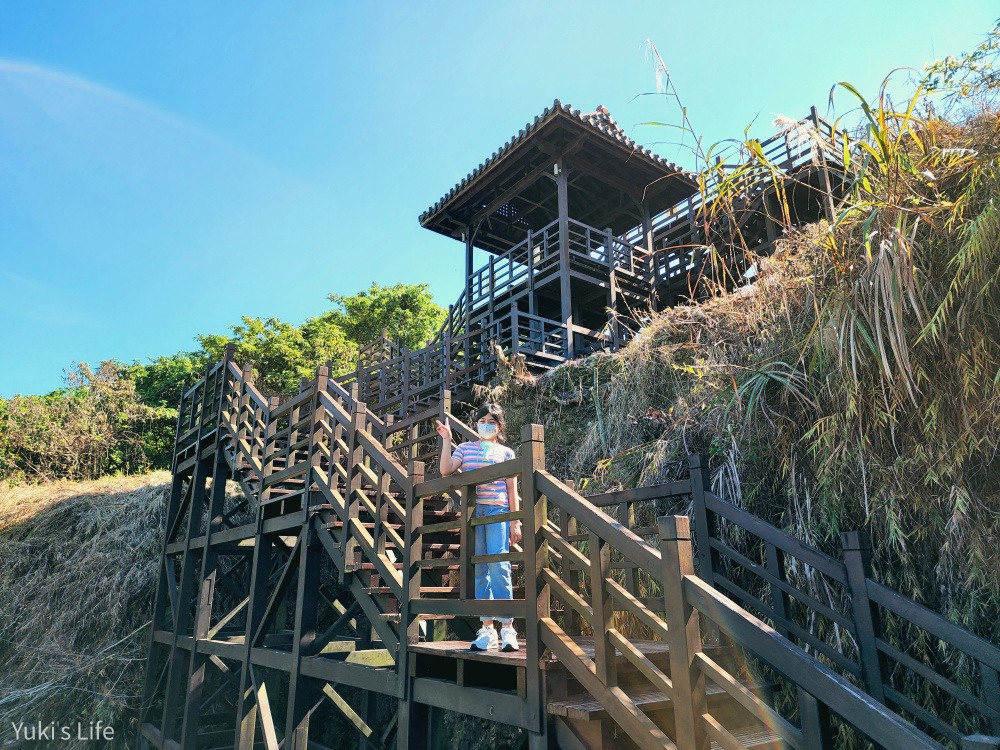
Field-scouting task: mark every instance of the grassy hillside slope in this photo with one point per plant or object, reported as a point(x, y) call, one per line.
point(77, 576)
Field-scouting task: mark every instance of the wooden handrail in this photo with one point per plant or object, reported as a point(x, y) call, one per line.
point(633, 546)
point(458, 480)
point(812, 557)
point(849, 702)
point(641, 494)
point(978, 648)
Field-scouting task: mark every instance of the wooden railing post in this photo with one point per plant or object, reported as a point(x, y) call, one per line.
point(355, 455)
point(814, 719)
point(466, 539)
point(613, 288)
point(600, 599)
point(536, 590)
point(857, 559)
point(414, 549)
point(446, 364)
point(700, 482)
point(531, 273)
point(242, 421)
point(775, 562)
point(515, 332)
point(405, 395)
point(316, 437)
point(269, 449)
point(567, 528)
point(683, 633)
point(387, 432)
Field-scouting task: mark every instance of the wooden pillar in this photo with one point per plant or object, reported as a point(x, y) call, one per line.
point(531, 273)
point(173, 705)
point(203, 609)
point(161, 599)
point(356, 456)
point(684, 633)
point(562, 197)
point(647, 227)
point(412, 718)
point(467, 236)
point(446, 362)
point(612, 289)
point(302, 693)
point(536, 591)
point(247, 709)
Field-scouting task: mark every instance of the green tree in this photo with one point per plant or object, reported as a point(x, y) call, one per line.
point(282, 353)
point(164, 379)
point(406, 312)
point(94, 426)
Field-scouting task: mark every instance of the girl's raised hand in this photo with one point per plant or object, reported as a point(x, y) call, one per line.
point(444, 430)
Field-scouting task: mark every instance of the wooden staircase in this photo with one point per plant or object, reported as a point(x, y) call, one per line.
point(346, 564)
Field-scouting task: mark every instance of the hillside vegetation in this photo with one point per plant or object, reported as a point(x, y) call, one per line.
point(119, 418)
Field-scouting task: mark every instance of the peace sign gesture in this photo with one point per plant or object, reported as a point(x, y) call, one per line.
point(443, 429)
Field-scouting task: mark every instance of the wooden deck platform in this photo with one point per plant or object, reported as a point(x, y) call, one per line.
point(461, 650)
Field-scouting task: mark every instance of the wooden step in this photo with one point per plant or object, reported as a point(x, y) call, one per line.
point(423, 590)
point(754, 738)
point(585, 708)
point(396, 616)
point(369, 525)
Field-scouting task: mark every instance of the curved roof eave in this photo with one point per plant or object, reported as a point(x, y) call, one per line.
point(602, 123)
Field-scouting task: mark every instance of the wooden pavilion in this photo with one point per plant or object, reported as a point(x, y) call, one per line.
point(565, 211)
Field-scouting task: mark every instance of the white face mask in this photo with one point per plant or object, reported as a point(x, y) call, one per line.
point(486, 430)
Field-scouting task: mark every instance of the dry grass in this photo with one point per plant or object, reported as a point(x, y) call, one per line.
point(77, 576)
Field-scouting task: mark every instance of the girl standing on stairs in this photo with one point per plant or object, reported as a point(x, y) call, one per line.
point(493, 580)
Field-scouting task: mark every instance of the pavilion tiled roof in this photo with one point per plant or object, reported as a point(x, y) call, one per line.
point(601, 120)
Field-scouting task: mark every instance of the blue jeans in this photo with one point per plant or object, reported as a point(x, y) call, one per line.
point(493, 579)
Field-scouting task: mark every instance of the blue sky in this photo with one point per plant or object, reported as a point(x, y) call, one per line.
point(168, 167)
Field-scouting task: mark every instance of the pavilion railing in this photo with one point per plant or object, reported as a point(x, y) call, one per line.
point(681, 233)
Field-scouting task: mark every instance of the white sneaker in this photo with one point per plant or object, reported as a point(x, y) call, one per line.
point(486, 639)
point(508, 638)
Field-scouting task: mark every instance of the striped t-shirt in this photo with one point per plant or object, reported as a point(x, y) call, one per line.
point(475, 454)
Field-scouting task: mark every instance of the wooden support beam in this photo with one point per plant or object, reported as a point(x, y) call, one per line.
point(513, 191)
point(565, 298)
point(203, 613)
point(365, 731)
point(302, 694)
point(536, 588)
